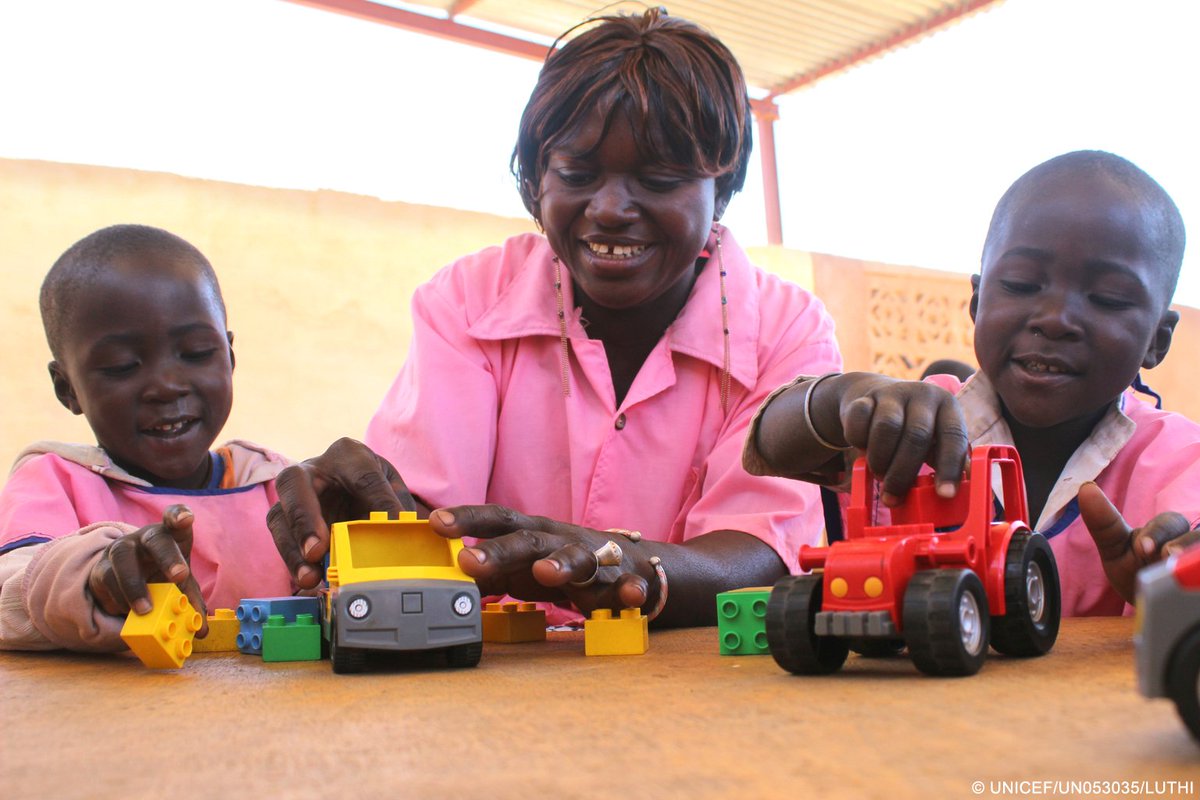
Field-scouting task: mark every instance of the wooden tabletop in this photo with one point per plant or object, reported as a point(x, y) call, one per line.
point(541, 720)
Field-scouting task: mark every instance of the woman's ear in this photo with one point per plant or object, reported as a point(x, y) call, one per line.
point(1161, 343)
point(974, 307)
point(63, 389)
point(719, 208)
point(232, 357)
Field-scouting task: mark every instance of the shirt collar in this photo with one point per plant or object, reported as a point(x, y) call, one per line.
point(528, 306)
point(986, 425)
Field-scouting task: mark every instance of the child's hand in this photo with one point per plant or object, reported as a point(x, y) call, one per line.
point(347, 481)
point(153, 553)
point(1125, 550)
point(536, 558)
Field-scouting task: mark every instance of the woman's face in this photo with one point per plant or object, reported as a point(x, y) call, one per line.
point(626, 226)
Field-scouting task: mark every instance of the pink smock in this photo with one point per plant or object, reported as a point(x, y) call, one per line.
point(64, 504)
point(478, 413)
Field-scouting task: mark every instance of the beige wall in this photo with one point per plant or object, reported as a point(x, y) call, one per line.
point(318, 284)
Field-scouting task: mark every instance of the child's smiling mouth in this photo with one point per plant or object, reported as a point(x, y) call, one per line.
point(1040, 365)
point(169, 430)
point(616, 250)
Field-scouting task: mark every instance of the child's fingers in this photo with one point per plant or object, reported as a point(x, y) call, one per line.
point(102, 583)
point(178, 519)
point(1177, 546)
point(913, 445)
point(298, 526)
point(1150, 540)
point(1108, 528)
point(126, 579)
point(162, 553)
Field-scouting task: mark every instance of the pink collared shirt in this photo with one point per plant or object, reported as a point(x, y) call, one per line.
point(1145, 460)
point(478, 413)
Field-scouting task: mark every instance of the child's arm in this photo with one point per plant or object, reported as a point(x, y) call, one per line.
point(898, 424)
point(1125, 550)
point(74, 592)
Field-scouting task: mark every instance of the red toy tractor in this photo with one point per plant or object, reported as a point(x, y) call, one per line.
point(947, 577)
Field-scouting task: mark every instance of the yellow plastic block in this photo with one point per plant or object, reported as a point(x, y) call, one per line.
point(222, 633)
point(162, 639)
point(628, 635)
point(513, 622)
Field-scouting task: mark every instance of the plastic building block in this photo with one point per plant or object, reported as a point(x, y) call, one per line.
point(253, 612)
point(514, 622)
point(628, 635)
point(291, 641)
point(162, 639)
point(222, 633)
point(742, 621)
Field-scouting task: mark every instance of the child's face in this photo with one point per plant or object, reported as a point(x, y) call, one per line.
point(627, 228)
point(1071, 301)
point(147, 360)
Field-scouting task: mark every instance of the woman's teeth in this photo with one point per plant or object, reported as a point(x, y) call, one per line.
point(618, 250)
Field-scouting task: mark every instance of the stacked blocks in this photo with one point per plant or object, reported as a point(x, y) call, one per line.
point(513, 622)
point(162, 639)
point(741, 621)
point(222, 633)
point(254, 612)
point(291, 641)
point(628, 635)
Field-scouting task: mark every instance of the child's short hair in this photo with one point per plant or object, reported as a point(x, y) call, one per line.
point(681, 87)
point(83, 262)
point(1162, 216)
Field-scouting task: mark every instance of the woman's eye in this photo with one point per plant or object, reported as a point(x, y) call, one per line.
point(656, 183)
point(573, 177)
point(1111, 302)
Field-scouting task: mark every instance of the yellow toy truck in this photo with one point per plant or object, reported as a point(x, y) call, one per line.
point(394, 584)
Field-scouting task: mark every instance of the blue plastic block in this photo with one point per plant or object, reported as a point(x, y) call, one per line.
point(253, 613)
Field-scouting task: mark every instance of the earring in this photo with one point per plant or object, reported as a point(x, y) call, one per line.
point(565, 353)
point(725, 375)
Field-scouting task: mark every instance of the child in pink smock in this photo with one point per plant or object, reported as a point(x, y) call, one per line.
point(1073, 299)
point(137, 328)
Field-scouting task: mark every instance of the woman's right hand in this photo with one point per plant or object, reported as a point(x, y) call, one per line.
point(154, 553)
point(899, 425)
point(346, 482)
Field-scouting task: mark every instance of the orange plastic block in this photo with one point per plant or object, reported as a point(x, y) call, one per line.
point(222, 633)
point(628, 635)
point(162, 639)
point(513, 622)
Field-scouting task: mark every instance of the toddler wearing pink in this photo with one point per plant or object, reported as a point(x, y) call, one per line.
point(64, 504)
point(478, 413)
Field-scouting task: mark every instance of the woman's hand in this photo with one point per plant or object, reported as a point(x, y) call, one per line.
point(1125, 550)
point(535, 558)
point(155, 553)
point(346, 482)
point(899, 426)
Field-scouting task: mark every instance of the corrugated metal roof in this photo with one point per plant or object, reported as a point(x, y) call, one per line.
point(782, 44)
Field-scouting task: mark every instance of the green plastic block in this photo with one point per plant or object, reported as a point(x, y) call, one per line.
point(742, 621)
point(291, 641)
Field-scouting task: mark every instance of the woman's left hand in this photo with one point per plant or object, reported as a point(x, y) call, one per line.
point(536, 558)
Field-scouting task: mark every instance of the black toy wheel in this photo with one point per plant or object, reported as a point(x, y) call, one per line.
point(344, 659)
point(1183, 681)
point(946, 621)
point(875, 648)
point(464, 655)
point(791, 611)
point(1032, 598)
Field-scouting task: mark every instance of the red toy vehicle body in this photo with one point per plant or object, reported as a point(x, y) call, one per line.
point(946, 577)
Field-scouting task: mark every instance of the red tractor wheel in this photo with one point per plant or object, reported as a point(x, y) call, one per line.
point(946, 622)
point(791, 612)
point(1183, 681)
point(1032, 599)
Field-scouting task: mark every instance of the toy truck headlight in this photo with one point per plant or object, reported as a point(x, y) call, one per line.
point(358, 608)
point(463, 604)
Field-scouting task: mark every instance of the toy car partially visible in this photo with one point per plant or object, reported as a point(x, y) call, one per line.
point(946, 577)
point(1167, 637)
point(394, 584)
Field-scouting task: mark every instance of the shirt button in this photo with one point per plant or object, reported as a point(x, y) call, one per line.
point(620, 423)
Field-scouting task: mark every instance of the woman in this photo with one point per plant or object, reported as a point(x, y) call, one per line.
point(603, 375)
